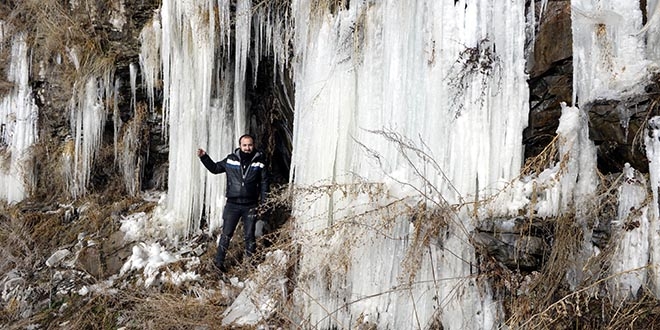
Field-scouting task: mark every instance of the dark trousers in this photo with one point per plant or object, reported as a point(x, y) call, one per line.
point(231, 214)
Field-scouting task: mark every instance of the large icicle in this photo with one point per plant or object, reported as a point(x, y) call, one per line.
point(421, 100)
point(18, 125)
point(242, 32)
point(204, 94)
point(150, 65)
point(188, 60)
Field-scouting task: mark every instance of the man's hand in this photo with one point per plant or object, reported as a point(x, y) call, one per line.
point(200, 152)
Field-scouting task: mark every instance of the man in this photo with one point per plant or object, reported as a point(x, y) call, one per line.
point(247, 185)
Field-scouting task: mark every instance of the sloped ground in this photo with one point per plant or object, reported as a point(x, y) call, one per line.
point(61, 267)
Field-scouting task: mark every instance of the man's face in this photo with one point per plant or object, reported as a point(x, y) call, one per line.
point(247, 145)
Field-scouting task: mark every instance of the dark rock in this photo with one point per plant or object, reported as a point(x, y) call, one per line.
point(115, 251)
point(514, 251)
point(89, 259)
point(554, 39)
point(616, 127)
point(518, 243)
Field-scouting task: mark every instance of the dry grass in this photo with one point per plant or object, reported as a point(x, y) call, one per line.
point(17, 247)
point(172, 311)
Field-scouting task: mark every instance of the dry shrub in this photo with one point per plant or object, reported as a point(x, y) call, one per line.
point(19, 257)
point(544, 300)
point(544, 288)
point(54, 31)
point(430, 225)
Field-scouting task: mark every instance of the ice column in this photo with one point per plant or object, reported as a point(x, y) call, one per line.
point(18, 125)
point(631, 237)
point(204, 92)
point(242, 31)
point(652, 141)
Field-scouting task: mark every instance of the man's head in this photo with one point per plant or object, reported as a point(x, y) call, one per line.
point(246, 143)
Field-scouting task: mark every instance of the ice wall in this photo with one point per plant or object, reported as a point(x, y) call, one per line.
point(427, 101)
point(18, 124)
point(651, 30)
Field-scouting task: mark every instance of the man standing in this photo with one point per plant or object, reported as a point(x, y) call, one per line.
point(247, 185)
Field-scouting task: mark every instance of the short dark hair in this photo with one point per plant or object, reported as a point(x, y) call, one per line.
point(246, 136)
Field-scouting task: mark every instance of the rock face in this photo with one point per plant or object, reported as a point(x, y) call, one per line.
point(550, 76)
point(516, 243)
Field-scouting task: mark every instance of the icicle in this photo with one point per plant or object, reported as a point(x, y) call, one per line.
point(133, 80)
point(259, 34)
point(2, 34)
point(652, 19)
point(193, 118)
point(129, 160)
point(243, 32)
point(18, 126)
point(224, 24)
point(652, 142)
point(624, 117)
point(116, 119)
point(150, 45)
point(87, 117)
point(630, 234)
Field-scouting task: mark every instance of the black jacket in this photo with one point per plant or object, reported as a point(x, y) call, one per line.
point(243, 186)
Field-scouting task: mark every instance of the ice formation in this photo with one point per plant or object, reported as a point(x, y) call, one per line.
point(407, 116)
point(18, 124)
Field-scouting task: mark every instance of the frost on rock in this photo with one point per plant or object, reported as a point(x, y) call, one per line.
point(153, 259)
point(264, 293)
